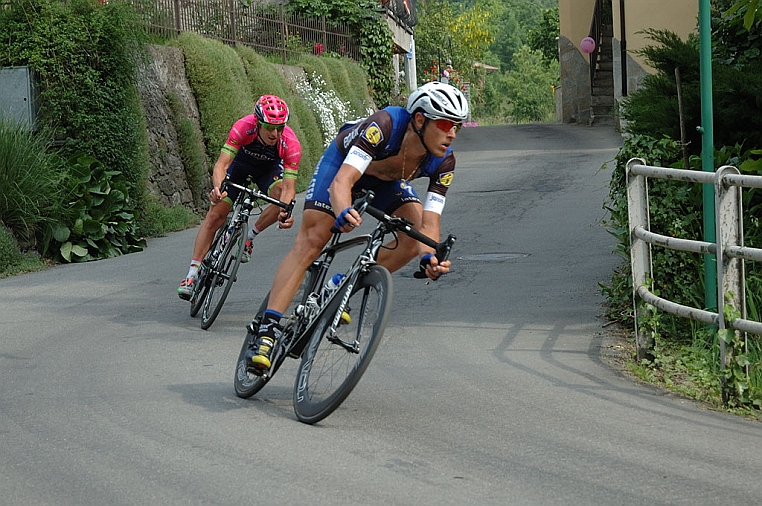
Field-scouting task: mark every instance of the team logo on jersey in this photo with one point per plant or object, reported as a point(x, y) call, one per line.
point(445, 179)
point(373, 134)
point(233, 142)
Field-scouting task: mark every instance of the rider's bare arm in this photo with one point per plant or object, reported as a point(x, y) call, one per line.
point(341, 195)
point(218, 175)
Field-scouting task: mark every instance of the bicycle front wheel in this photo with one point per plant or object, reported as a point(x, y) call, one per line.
point(200, 290)
point(332, 366)
point(223, 275)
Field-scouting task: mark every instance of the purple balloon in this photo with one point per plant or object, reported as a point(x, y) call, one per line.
point(587, 45)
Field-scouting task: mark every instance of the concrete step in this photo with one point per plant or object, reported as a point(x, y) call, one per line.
point(602, 100)
point(602, 119)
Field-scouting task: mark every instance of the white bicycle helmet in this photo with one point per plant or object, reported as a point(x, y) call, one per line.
point(439, 101)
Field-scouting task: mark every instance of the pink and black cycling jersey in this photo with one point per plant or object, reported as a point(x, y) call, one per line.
point(378, 137)
point(264, 165)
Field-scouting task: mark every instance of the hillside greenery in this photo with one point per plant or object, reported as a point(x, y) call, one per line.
point(686, 354)
point(517, 37)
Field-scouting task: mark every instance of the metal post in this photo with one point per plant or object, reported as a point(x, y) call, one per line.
point(707, 150)
point(730, 270)
point(623, 47)
point(178, 25)
point(283, 30)
point(325, 39)
point(233, 35)
point(640, 251)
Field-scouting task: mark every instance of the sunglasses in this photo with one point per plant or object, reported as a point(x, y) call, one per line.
point(268, 126)
point(446, 125)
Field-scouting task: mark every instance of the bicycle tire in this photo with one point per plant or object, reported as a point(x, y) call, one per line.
point(245, 383)
point(202, 286)
point(329, 372)
point(204, 278)
point(222, 277)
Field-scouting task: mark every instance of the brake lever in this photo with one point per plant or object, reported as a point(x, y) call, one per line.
point(289, 210)
point(443, 251)
point(360, 205)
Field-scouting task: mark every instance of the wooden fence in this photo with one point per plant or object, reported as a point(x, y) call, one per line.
point(266, 28)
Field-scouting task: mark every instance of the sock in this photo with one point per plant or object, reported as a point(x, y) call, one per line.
point(269, 317)
point(193, 271)
point(253, 231)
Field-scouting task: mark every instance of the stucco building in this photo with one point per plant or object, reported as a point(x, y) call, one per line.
point(589, 93)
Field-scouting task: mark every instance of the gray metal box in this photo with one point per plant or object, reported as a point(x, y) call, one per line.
point(18, 99)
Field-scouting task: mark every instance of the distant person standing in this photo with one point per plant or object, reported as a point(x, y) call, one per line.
point(446, 73)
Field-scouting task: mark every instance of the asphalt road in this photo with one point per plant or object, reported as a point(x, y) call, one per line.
point(488, 388)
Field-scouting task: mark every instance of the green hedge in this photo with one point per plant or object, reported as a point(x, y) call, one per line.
point(227, 81)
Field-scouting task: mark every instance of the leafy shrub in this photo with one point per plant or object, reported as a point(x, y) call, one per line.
point(12, 260)
point(10, 255)
point(84, 54)
point(654, 110)
point(99, 221)
point(167, 219)
point(215, 74)
point(30, 181)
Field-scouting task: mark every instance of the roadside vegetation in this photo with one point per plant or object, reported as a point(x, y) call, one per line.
point(686, 353)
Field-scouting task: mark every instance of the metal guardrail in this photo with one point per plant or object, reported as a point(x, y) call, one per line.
point(728, 247)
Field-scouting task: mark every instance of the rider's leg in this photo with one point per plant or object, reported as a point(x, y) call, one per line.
point(407, 248)
point(215, 217)
point(314, 233)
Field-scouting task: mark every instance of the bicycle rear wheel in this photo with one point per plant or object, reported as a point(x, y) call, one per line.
point(247, 384)
point(223, 275)
point(329, 371)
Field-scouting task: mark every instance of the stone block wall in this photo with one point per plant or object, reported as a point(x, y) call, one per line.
point(164, 73)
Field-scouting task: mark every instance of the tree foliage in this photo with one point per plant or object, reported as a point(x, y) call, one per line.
point(544, 37)
point(450, 31)
point(364, 19)
point(84, 55)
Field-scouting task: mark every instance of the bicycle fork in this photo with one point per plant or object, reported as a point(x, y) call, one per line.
point(353, 347)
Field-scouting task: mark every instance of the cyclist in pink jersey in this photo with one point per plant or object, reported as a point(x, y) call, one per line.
point(261, 148)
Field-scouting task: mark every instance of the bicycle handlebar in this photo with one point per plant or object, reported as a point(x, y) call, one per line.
point(258, 195)
point(442, 249)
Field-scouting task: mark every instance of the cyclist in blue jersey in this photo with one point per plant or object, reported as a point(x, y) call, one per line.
point(381, 153)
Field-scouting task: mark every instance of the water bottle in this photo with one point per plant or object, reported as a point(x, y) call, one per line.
point(227, 235)
point(331, 286)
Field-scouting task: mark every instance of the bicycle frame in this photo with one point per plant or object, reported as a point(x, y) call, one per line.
point(299, 326)
point(219, 269)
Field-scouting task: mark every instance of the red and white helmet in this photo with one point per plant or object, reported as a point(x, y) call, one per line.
point(271, 109)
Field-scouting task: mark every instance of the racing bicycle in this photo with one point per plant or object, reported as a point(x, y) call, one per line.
point(219, 267)
point(334, 333)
